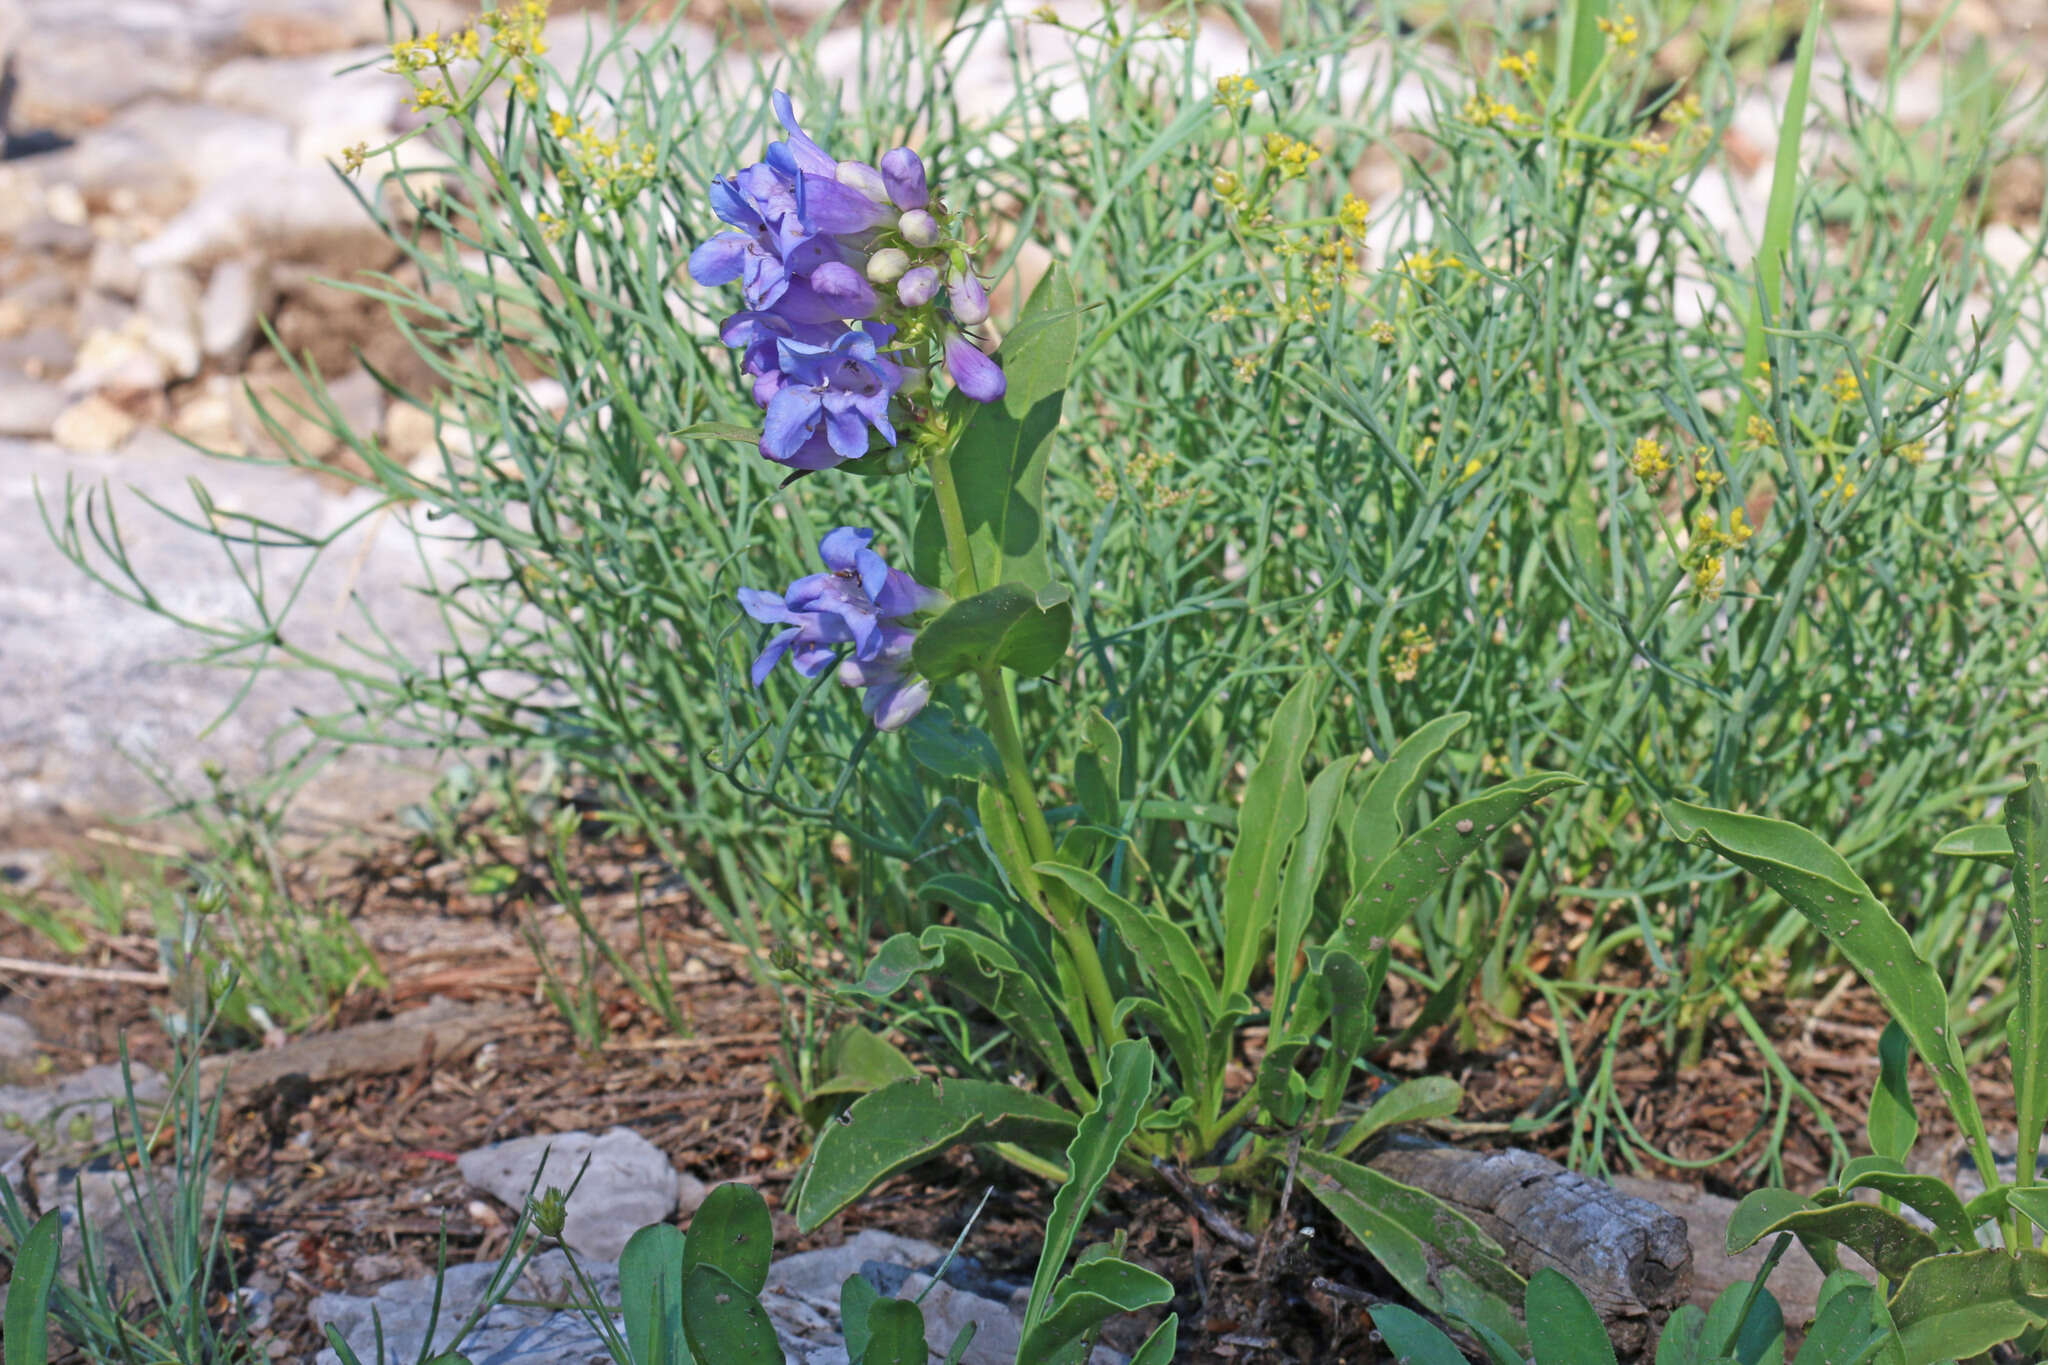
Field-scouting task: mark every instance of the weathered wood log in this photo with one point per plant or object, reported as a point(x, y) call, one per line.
point(1632, 1258)
point(441, 1033)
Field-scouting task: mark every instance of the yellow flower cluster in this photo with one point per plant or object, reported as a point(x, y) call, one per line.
point(1143, 472)
point(1624, 31)
point(1705, 557)
point(606, 166)
point(1759, 432)
point(1649, 460)
point(1412, 646)
point(1247, 367)
point(1523, 65)
point(516, 34)
point(1706, 475)
point(1234, 93)
point(1844, 387)
point(1912, 452)
point(1352, 214)
point(1485, 111)
point(1383, 332)
point(1648, 147)
point(1290, 156)
point(1839, 486)
point(1423, 266)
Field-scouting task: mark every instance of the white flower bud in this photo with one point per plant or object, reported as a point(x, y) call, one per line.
point(887, 265)
point(919, 228)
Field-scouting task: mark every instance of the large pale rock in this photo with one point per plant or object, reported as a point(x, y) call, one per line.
point(92, 423)
point(626, 1184)
point(277, 213)
point(119, 360)
point(203, 143)
point(327, 105)
point(230, 310)
point(28, 407)
point(169, 309)
point(112, 269)
point(88, 682)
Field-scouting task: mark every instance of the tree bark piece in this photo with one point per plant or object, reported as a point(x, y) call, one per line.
point(1632, 1258)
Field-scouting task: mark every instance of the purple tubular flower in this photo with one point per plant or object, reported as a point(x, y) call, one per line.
point(977, 376)
point(859, 601)
point(903, 174)
point(969, 300)
point(842, 287)
point(827, 399)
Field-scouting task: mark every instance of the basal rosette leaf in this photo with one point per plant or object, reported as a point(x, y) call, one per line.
point(1959, 1306)
point(1816, 881)
point(901, 1125)
point(1275, 809)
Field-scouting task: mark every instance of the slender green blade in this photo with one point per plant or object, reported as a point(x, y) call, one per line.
point(1304, 873)
point(1411, 1338)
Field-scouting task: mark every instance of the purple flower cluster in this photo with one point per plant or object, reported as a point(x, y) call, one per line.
point(859, 601)
point(836, 361)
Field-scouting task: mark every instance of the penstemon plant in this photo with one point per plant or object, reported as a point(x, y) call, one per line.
point(1132, 1026)
point(1961, 1275)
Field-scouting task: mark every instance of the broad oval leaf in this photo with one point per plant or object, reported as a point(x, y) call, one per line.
point(1563, 1328)
point(895, 1332)
point(901, 1125)
point(1758, 1212)
point(998, 466)
point(1009, 626)
point(1930, 1196)
point(724, 1322)
point(731, 1230)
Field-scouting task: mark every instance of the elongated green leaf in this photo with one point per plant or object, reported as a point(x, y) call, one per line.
point(908, 1122)
point(1815, 881)
point(1683, 1340)
point(1011, 625)
point(1955, 1307)
point(731, 1230)
point(895, 1334)
point(1160, 1346)
point(1777, 238)
point(853, 1061)
point(1395, 887)
point(725, 1322)
point(1890, 1243)
point(27, 1320)
point(1411, 1338)
point(984, 970)
point(1304, 874)
point(2026, 1028)
point(1275, 808)
point(1091, 1295)
point(651, 1296)
point(1379, 822)
point(1090, 1158)
point(1400, 1227)
point(1163, 949)
point(1098, 782)
point(721, 431)
point(1758, 1212)
point(1563, 1328)
point(999, 464)
point(1989, 842)
point(1892, 1126)
point(1412, 1101)
point(1932, 1197)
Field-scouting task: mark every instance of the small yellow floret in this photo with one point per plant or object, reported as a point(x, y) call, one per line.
point(1235, 92)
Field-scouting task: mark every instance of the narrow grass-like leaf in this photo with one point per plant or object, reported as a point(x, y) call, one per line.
point(1303, 876)
point(1777, 238)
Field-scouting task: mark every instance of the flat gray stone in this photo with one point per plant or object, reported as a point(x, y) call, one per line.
point(29, 407)
point(87, 680)
point(626, 1185)
point(504, 1336)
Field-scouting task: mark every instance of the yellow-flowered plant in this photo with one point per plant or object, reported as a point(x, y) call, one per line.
point(1649, 460)
point(1234, 93)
